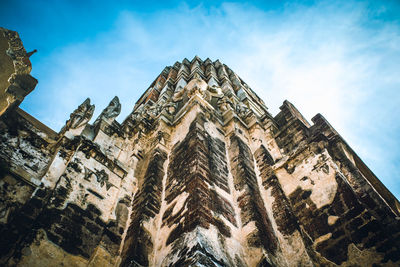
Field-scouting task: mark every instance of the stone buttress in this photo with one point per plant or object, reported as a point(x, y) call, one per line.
point(199, 174)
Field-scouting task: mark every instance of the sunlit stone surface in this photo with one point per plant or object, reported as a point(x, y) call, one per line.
point(199, 174)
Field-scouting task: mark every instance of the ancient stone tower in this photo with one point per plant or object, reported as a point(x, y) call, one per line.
point(199, 174)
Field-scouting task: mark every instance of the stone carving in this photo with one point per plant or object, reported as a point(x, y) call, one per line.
point(196, 86)
point(88, 174)
point(143, 117)
point(215, 90)
point(80, 116)
point(178, 95)
point(212, 91)
point(101, 177)
point(146, 112)
point(133, 124)
point(170, 107)
point(112, 110)
point(137, 114)
point(14, 56)
point(207, 95)
point(224, 104)
point(241, 109)
point(151, 112)
point(15, 66)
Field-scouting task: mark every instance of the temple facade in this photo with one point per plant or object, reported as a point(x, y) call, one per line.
point(199, 174)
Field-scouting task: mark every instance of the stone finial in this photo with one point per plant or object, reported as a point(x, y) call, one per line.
point(79, 118)
point(111, 111)
point(29, 54)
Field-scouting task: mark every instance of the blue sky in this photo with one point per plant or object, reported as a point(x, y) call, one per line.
point(337, 58)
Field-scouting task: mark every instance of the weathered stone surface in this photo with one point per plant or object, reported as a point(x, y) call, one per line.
point(15, 66)
point(250, 201)
point(146, 204)
point(199, 174)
